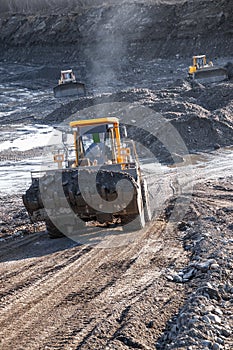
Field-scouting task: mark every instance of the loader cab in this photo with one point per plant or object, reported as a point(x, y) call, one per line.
point(98, 142)
point(95, 141)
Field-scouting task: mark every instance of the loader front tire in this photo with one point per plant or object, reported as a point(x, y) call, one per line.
point(53, 231)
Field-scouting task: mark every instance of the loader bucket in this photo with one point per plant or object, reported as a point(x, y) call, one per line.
point(71, 89)
point(57, 196)
point(211, 75)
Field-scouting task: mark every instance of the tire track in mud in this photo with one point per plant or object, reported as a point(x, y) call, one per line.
point(30, 282)
point(57, 285)
point(127, 293)
point(38, 276)
point(96, 295)
point(63, 299)
point(59, 269)
point(11, 246)
point(48, 294)
point(75, 258)
point(8, 275)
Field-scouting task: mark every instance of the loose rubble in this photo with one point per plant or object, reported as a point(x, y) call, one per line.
point(14, 220)
point(205, 320)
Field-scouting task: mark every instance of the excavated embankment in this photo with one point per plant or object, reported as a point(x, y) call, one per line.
point(45, 31)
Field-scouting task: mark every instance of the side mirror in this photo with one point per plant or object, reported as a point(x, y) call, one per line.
point(123, 131)
point(64, 137)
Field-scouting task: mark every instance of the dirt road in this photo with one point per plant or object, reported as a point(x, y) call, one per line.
point(58, 295)
point(170, 289)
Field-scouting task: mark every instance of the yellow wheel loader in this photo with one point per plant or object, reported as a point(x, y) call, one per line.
point(68, 86)
point(100, 180)
point(205, 72)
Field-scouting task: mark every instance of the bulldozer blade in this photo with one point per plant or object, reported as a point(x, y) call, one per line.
point(71, 89)
point(211, 75)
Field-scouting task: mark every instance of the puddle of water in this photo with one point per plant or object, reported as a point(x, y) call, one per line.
point(15, 99)
point(15, 177)
point(25, 138)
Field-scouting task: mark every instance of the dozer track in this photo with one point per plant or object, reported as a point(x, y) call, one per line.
point(70, 89)
point(56, 199)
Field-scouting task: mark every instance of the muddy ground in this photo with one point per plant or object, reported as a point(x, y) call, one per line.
point(170, 285)
point(171, 289)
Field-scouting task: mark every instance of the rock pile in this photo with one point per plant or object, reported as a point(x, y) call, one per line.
point(205, 320)
point(203, 118)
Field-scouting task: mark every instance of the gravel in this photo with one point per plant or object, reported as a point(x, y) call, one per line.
point(205, 320)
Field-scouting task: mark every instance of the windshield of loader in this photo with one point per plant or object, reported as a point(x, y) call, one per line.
point(97, 144)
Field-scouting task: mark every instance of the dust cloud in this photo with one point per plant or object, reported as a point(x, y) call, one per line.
point(111, 44)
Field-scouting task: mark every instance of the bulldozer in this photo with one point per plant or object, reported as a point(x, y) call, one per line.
point(68, 86)
point(98, 178)
point(204, 72)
